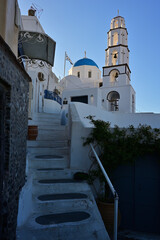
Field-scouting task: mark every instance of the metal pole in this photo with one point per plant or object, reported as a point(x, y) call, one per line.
point(115, 217)
point(64, 64)
point(104, 172)
point(113, 191)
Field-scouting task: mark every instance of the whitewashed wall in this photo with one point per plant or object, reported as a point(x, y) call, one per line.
point(80, 127)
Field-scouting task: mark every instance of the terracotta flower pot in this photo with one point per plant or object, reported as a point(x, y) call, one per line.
point(32, 132)
point(107, 214)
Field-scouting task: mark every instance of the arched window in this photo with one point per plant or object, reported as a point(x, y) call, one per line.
point(112, 23)
point(114, 75)
point(113, 100)
point(115, 38)
point(116, 24)
point(114, 58)
point(89, 74)
point(121, 22)
point(78, 74)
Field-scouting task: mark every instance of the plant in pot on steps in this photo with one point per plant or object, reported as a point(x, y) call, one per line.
point(117, 147)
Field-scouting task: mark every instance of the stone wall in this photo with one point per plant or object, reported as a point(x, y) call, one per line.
point(14, 88)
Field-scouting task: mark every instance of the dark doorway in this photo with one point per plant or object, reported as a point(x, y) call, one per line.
point(2, 150)
point(4, 147)
point(138, 186)
point(83, 99)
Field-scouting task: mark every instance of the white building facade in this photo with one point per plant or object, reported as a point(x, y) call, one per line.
point(45, 88)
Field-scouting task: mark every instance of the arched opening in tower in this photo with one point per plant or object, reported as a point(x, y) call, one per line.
point(114, 58)
point(113, 100)
point(115, 38)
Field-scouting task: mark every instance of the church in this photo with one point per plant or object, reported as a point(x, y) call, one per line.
point(112, 92)
point(109, 93)
point(109, 90)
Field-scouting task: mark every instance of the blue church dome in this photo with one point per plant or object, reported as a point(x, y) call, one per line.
point(85, 61)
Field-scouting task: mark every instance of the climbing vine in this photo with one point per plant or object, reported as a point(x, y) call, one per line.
point(119, 146)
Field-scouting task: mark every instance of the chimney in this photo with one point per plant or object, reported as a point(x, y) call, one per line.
point(31, 12)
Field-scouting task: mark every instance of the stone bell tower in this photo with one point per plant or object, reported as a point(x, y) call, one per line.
point(118, 94)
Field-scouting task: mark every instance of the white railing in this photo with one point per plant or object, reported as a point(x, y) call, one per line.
point(115, 195)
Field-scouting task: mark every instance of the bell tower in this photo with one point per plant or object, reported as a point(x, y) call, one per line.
point(119, 94)
point(117, 51)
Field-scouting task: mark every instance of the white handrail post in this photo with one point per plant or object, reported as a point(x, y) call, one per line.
point(115, 217)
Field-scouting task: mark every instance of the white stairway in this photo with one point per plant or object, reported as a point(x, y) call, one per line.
point(63, 208)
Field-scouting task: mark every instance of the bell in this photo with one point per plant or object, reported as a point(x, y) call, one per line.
point(115, 55)
point(116, 76)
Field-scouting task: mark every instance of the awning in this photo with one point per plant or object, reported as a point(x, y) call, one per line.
point(36, 45)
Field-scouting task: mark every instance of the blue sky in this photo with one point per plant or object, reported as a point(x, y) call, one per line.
point(79, 25)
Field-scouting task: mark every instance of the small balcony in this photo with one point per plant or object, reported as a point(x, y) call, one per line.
point(34, 45)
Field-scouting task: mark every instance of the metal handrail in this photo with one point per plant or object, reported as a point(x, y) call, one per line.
point(115, 195)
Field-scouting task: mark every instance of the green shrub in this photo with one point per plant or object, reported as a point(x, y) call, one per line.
point(119, 146)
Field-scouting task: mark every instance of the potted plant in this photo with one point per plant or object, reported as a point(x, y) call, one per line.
point(32, 132)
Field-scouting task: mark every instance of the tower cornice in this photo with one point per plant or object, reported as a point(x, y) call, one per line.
point(119, 65)
point(119, 45)
point(118, 28)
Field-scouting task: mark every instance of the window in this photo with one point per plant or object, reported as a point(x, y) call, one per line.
point(116, 24)
point(65, 101)
point(100, 84)
point(92, 99)
point(82, 99)
point(121, 23)
point(78, 74)
point(115, 38)
point(89, 74)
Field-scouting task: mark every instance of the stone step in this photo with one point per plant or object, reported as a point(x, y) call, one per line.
point(61, 187)
point(51, 127)
point(62, 204)
point(64, 196)
point(47, 143)
point(49, 150)
point(41, 121)
point(66, 217)
point(54, 173)
point(57, 136)
point(48, 123)
point(64, 180)
point(48, 163)
point(90, 228)
point(47, 116)
point(53, 131)
point(49, 169)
